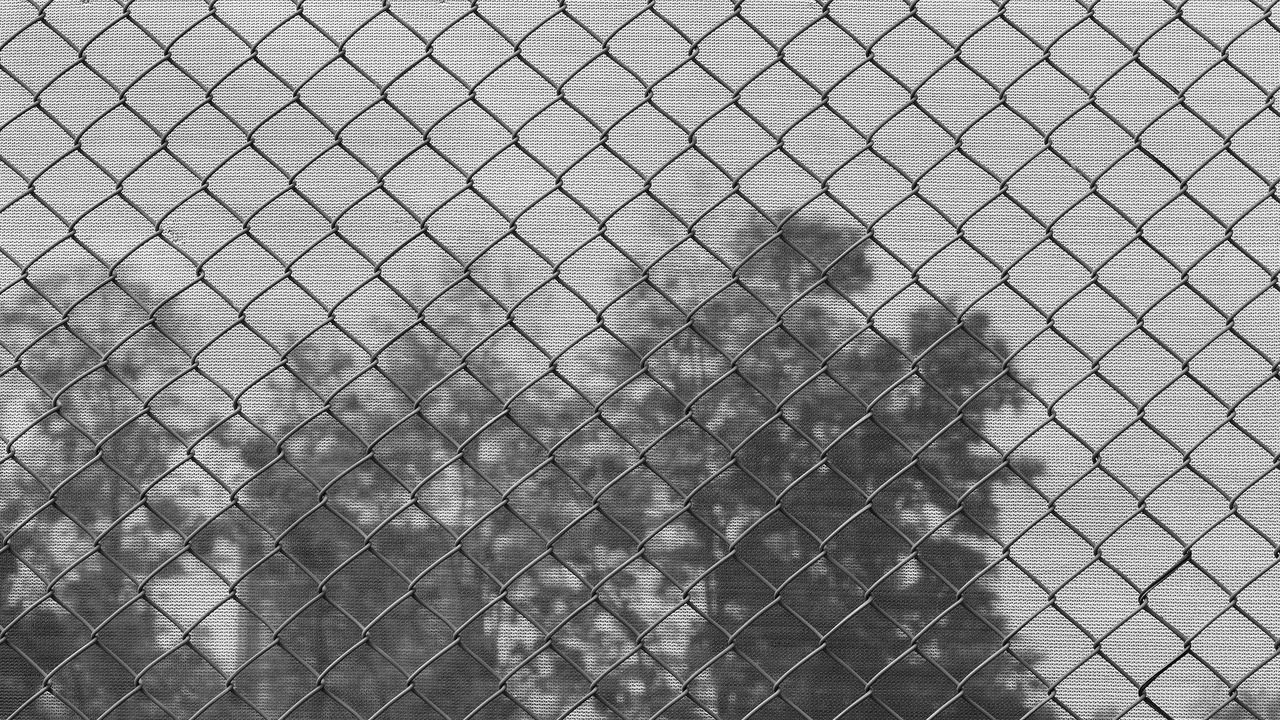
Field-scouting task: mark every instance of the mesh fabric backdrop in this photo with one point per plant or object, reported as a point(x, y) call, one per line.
point(613, 360)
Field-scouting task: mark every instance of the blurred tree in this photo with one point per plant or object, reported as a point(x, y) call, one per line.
point(86, 543)
point(729, 501)
point(833, 489)
point(370, 525)
point(1254, 700)
point(747, 502)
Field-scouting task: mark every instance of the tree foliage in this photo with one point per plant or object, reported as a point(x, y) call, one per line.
point(837, 490)
point(754, 498)
point(89, 531)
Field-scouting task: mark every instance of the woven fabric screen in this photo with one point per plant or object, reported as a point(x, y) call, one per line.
point(614, 360)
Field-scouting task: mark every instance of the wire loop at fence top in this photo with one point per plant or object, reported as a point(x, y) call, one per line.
point(594, 360)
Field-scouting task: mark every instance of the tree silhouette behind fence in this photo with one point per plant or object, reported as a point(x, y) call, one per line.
point(93, 524)
point(728, 506)
point(840, 493)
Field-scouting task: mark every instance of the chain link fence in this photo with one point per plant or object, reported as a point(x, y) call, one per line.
point(596, 360)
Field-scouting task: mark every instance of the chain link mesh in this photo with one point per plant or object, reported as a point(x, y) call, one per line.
point(659, 359)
